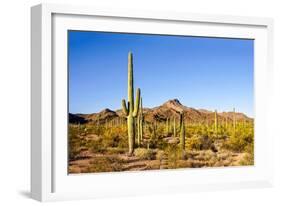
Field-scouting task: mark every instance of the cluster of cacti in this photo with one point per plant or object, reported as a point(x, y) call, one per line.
point(131, 108)
point(133, 111)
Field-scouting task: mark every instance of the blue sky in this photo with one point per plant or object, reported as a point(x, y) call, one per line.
point(209, 73)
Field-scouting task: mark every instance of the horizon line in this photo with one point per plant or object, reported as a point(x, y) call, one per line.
point(196, 108)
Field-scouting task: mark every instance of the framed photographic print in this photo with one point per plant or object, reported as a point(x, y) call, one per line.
point(136, 102)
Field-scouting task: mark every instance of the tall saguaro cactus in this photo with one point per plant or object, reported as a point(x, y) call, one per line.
point(234, 122)
point(131, 108)
point(182, 135)
point(175, 129)
point(216, 122)
point(182, 132)
point(167, 126)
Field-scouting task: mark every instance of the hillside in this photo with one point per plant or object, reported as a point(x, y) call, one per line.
point(169, 109)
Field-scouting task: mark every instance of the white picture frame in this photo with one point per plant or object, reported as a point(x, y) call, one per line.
point(49, 178)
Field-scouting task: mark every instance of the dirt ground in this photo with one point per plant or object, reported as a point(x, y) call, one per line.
point(89, 162)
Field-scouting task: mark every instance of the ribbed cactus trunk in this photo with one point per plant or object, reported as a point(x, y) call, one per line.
point(155, 125)
point(182, 132)
point(154, 128)
point(216, 123)
point(167, 126)
point(175, 129)
point(131, 109)
point(234, 123)
point(141, 123)
point(138, 131)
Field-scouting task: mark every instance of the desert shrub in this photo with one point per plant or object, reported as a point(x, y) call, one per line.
point(204, 130)
point(110, 139)
point(193, 143)
point(144, 154)
point(248, 159)
point(97, 146)
point(115, 150)
point(250, 148)
point(104, 164)
point(74, 143)
point(74, 151)
point(160, 155)
point(161, 144)
point(173, 154)
point(113, 138)
point(95, 129)
point(153, 136)
point(240, 142)
point(206, 155)
point(197, 142)
point(123, 142)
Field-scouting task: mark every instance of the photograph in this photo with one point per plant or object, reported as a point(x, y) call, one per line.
point(140, 102)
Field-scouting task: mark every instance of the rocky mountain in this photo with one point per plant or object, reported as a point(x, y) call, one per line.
point(76, 119)
point(169, 109)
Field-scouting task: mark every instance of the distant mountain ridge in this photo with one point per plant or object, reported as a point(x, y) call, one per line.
point(169, 109)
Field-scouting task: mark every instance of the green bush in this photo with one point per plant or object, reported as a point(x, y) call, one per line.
point(193, 143)
point(114, 137)
point(240, 142)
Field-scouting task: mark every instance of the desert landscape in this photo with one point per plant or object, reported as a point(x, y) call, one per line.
point(167, 136)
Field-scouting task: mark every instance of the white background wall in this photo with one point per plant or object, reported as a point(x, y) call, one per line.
point(15, 100)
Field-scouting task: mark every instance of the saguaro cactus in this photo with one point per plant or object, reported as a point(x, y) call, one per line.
point(131, 109)
point(167, 126)
point(182, 132)
point(140, 124)
point(216, 122)
point(152, 130)
point(234, 122)
point(175, 129)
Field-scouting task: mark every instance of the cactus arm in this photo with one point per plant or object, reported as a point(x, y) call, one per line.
point(137, 103)
point(124, 107)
